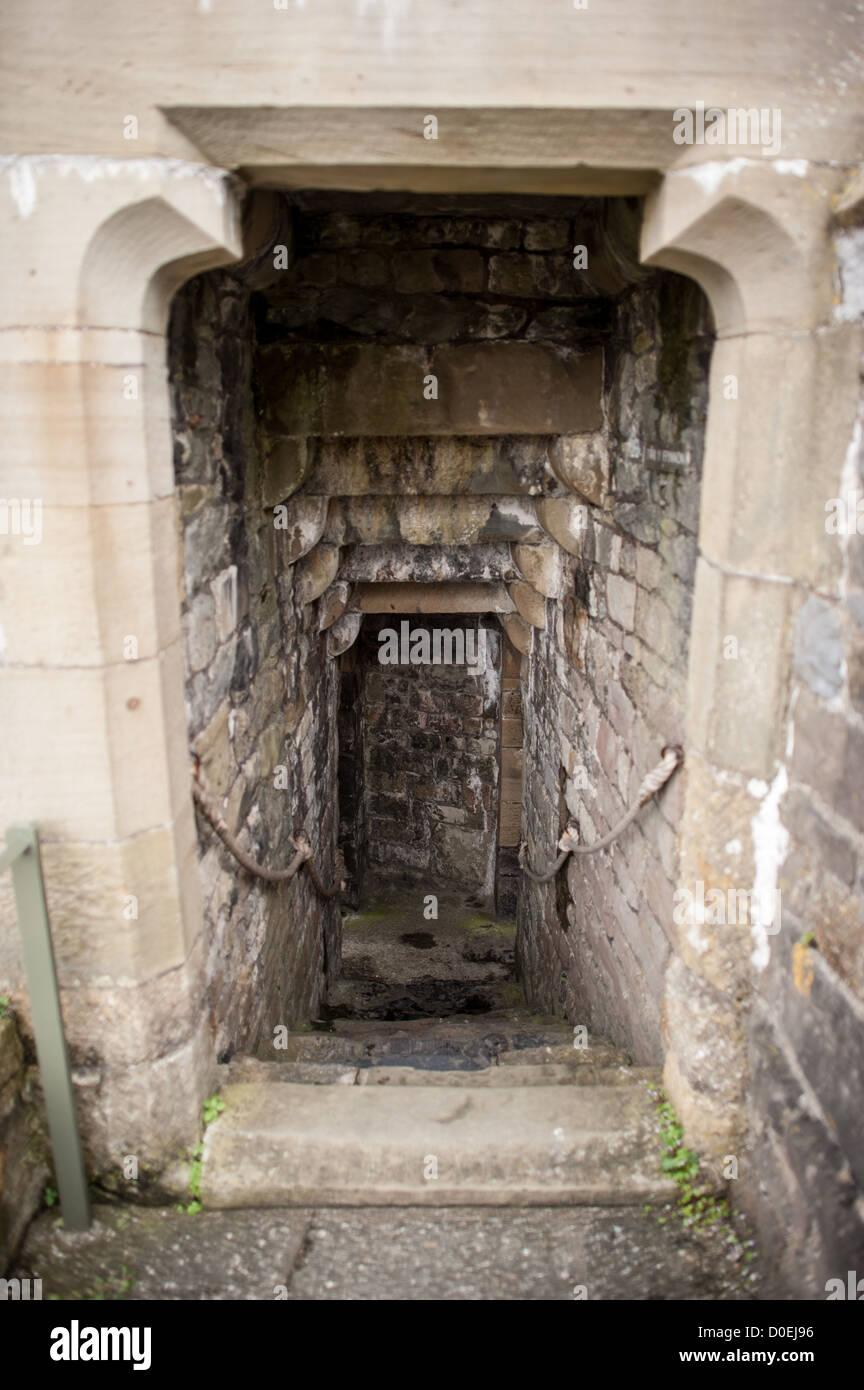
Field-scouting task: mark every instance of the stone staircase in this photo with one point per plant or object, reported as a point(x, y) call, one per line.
point(432, 1084)
point(405, 1148)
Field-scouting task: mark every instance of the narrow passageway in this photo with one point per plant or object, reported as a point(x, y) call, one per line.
point(410, 954)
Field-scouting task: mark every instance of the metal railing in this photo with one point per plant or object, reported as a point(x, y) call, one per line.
point(21, 855)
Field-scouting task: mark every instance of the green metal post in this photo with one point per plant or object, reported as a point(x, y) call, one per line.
point(22, 855)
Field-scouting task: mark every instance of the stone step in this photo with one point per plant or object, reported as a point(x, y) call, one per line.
point(507, 1025)
point(299, 1145)
point(429, 1044)
point(552, 1074)
point(407, 1073)
point(596, 1053)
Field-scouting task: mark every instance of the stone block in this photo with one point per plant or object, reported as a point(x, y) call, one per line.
point(535, 276)
point(131, 555)
point(68, 454)
point(621, 601)
point(511, 733)
point(581, 462)
point(541, 567)
point(285, 465)
point(492, 388)
point(547, 234)
point(453, 272)
point(565, 520)
point(706, 1031)
point(827, 757)
point(648, 568)
point(819, 647)
point(519, 388)
point(755, 613)
point(433, 598)
point(316, 572)
point(765, 495)
point(530, 604)
point(518, 632)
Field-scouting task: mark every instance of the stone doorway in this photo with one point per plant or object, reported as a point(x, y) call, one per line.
point(420, 735)
point(479, 413)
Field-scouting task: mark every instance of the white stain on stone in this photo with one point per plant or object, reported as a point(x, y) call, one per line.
point(850, 261)
point(770, 847)
point(22, 186)
point(24, 171)
point(487, 652)
point(799, 168)
point(710, 175)
point(695, 938)
point(390, 15)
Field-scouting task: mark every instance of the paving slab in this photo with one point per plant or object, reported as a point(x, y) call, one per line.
point(162, 1254)
point(397, 1254)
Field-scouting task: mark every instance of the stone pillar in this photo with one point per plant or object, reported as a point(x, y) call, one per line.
point(782, 405)
point(91, 689)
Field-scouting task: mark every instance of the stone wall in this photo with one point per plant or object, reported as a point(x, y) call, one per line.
point(508, 875)
point(24, 1153)
point(352, 802)
point(431, 759)
point(607, 684)
point(804, 1175)
point(261, 693)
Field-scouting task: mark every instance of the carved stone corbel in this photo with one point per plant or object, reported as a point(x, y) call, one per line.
point(333, 603)
point(316, 572)
point(343, 633)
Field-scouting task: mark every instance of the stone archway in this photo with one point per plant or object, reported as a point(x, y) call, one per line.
point(93, 697)
point(770, 286)
point(755, 238)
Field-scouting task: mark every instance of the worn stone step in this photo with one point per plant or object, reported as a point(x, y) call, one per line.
point(432, 1045)
point(242, 1069)
point(554, 1074)
point(595, 1053)
point(295, 1145)
point(408, 1073)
